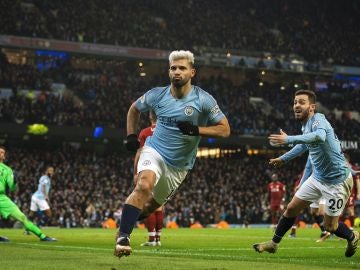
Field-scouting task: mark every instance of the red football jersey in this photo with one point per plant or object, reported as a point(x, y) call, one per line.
point(276, 192)
point(146, 132)
point(352, 197)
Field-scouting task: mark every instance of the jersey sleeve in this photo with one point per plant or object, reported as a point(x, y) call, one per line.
point(211, 107)
point(297, 150)
point(146, 102)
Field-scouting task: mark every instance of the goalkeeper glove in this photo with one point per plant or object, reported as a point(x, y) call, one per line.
point(132, 144)
point(187, 128)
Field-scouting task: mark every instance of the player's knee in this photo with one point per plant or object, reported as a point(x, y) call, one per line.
point(144, 186)
point(330, 227)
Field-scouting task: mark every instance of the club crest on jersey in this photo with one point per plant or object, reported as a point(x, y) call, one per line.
point(189, 110)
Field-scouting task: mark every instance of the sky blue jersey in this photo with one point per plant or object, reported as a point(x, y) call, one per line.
point(328, 161)
point(44, 181)
point(198, 106)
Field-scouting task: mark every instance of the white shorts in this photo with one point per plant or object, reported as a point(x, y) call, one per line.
point(38, 204)
point(316, 204)
point(168, 179)
point(335, 195)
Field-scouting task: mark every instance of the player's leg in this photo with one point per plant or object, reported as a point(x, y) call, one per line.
point(18, 215)
point(156, 183)
point(307, 193)
point(285, 223)
point(293, 228)
point(336, 197)
point(47, 216)
point(273, 216)
point(351, 215)
point(132, 209)
point(33, 210)
point(150, 223)
point(317, 212)
point(159, 215)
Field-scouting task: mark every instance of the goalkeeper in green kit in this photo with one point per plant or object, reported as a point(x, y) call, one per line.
point(7, 207)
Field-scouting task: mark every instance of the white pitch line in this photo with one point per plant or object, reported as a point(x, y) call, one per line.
point(187, 252)
point(169, 251)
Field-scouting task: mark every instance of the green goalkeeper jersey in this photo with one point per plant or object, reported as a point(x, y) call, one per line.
point(6, 178)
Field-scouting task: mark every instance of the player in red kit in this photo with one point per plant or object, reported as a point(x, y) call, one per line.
point(153, 222)
point(276, 191)
point(349, 210)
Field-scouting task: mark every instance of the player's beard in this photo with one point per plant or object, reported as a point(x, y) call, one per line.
point(179, 83)
point(303, 115)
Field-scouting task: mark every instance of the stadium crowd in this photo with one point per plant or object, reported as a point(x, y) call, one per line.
point(280, 27)
point(88, 188)
point(102, 96)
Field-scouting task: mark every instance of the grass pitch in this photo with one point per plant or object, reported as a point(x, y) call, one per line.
point(206, 249)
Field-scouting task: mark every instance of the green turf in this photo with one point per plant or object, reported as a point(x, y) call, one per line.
point(207, 249)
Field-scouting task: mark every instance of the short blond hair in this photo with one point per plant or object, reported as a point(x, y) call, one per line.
point(176, 55)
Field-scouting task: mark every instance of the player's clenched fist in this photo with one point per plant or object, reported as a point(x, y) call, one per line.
point(132, 144)
point(187, 128)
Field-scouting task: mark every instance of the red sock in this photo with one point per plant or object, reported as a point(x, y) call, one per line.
point(150, 225)
point(159, 223)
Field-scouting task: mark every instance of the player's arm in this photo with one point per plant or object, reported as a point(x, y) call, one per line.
point(218, 126)
point(319, 135)
point(10, 181)
point(220, 130)
point(43, 190)
point(132, 120)
point(43, 182)
point(297, 150)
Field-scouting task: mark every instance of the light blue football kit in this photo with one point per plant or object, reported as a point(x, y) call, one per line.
point(38, 201)
point(168, 152)
point(327, 159)
point(198, 107)
point(326, 173)
point(44, 181)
